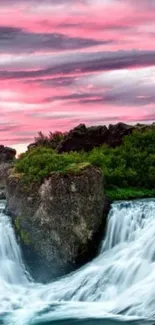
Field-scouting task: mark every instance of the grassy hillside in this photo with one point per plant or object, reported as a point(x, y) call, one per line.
point(129, 170)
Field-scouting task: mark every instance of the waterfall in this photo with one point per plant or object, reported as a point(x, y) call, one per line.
point(12, 269)
point(119, 283)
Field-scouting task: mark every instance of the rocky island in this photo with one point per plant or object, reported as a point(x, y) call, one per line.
point(57, 191)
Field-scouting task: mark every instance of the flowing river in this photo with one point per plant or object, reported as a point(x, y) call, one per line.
point(117, 287)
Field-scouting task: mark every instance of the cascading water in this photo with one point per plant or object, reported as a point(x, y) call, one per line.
point(119, 285)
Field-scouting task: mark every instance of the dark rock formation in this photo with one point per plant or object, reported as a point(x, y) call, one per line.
point(83, 138)
point(6, 154)
point(60, 224)
point(117, 132)
point(4, 171)
point(87, 138)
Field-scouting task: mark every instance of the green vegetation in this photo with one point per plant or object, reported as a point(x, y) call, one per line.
point(25, 237)
point(129, 170)
point(23, 234)
point(129, 193)
point(41, 161)
point(52, 140)
point(17, 223)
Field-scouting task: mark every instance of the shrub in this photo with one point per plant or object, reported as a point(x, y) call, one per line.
point(52, 140)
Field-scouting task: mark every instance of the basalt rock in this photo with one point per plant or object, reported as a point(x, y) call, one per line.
point(86, 138)
point(83, 138)
point(60, 223)
point(117, 132)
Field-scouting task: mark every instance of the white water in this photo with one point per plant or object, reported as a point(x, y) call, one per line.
point(119, 283)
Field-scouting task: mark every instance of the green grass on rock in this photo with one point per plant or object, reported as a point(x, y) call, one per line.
point(129, 170)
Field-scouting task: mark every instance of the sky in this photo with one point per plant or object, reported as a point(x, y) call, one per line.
point(65, 62)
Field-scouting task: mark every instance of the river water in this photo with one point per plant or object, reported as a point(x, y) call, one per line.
point(117, 287)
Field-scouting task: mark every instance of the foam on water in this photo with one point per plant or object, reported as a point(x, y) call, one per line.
point(119, 283)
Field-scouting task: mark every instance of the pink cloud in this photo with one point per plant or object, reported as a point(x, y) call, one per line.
point(61, 65)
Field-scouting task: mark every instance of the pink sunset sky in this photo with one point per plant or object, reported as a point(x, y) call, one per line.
point(65, 62)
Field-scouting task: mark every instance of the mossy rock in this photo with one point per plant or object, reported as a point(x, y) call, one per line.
point(75, 168)
point(23, 234)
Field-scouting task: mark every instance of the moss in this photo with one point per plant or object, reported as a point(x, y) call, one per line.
point(77, 168)
point(24, 235)
point(17, 224)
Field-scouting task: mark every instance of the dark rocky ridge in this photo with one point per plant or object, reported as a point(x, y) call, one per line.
point(60, 224)
point(83, 138)
point(87, 138)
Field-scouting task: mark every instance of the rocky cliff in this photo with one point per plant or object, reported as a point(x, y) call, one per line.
point(60, 223)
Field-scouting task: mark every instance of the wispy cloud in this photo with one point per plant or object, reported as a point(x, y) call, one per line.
point(64, 62)
point(18, 41)
point(88, 63)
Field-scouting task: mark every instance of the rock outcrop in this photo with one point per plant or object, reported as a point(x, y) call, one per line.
point(6, 154)
point(86, 138)
point(83, 138)
point(60, 223)
point(6, 157)
point(4, 171)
